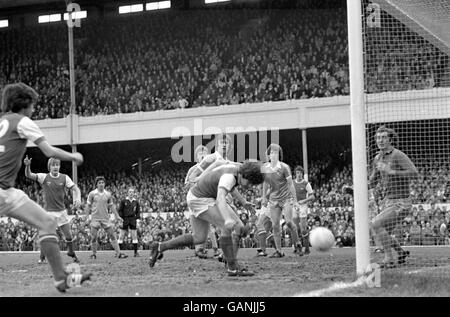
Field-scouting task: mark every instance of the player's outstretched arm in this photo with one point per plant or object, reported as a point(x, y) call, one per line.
point(28, 173)
point(51, 151)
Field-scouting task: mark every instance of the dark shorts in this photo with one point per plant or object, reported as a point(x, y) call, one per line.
point(129, 223)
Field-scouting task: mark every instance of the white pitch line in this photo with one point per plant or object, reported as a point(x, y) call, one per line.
point(37, 252)
point(428, 269)
point(333, 288)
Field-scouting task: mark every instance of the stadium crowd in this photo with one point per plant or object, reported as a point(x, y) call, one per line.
point(201, 58)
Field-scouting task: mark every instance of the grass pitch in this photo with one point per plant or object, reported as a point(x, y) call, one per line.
point(181, 274)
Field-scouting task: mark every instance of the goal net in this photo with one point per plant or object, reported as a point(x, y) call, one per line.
point(406, 49)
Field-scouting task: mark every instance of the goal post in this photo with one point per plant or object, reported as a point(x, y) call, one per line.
point(399, 64)
point(358, 135)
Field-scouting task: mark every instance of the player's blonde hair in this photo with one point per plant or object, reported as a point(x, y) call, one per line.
point(51, 161)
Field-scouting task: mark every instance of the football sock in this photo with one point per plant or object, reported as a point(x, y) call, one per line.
point(294, 234)
point(94, 246)
point(277, 237)
point(236, 240)
point(213, 238)
point(180, 241)
point(135, 247)
point(262, 236)
point(115, 245)
point(226, 243)
point(69, 245)
point(306, 241)
point(50, 248)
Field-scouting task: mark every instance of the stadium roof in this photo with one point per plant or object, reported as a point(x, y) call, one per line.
point(19, 3)
point(14, 6)
point(26, 3)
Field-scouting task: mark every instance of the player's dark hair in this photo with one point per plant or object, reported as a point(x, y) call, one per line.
point(275, 147)
point(252, 171)
point(16, 97)
point(99, 178)
point(392, 135)
point(300, 169)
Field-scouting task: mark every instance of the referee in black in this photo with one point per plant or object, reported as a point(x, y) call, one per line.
point(129, 210)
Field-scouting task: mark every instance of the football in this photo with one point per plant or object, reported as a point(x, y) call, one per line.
point(321, 239)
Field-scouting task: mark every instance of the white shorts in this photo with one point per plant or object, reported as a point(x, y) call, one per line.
point(197, 205)
point(11, 199)
point(301, 211)
point(62, 218)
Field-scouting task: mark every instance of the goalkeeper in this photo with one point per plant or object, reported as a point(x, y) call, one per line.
point(393, 170)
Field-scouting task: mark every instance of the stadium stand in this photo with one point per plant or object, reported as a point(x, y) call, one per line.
point(201, 58)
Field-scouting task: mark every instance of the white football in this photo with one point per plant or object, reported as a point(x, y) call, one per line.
point(321, 239)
